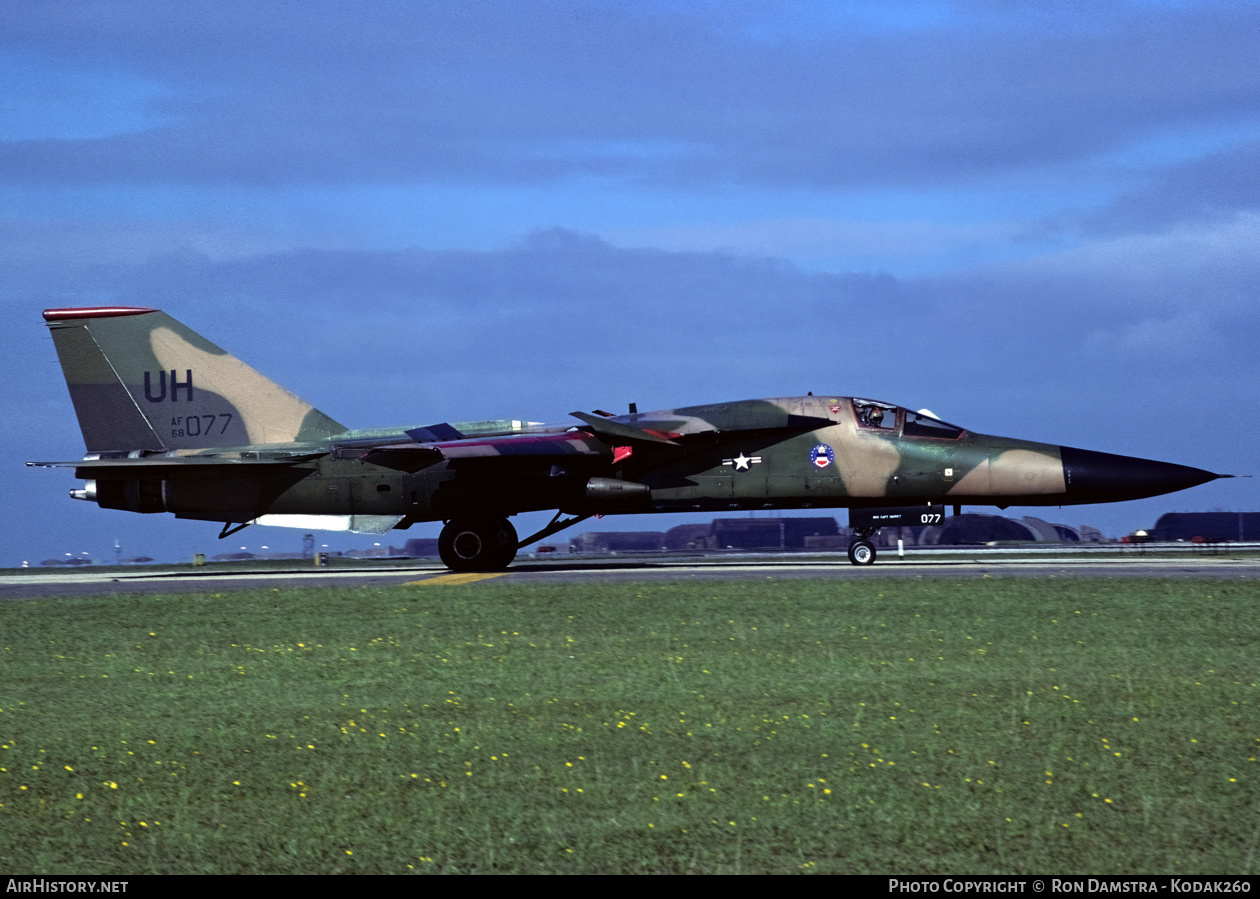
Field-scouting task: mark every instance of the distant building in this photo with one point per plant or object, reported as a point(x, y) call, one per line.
point(974, 529)
point(1043, 531)
point(1090, 534)
point(1207, 526)
point(917, 535)
point(374, 552)
point(688, 536)
point(840, 540)
point(618, 541)
point(1067, 534)
point(769, 533)
point(819, 533)
point(797, 531)
point(748, 533)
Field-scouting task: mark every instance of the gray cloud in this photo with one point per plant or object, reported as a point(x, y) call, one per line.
point(544, 90)
point(1213, 188)
point(564, 318)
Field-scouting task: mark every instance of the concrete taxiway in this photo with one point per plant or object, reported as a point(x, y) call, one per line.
point(18, 585)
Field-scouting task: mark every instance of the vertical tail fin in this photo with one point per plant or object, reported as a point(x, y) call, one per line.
point(141, 380)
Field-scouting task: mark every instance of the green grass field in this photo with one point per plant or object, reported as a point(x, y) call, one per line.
point(1059, 725)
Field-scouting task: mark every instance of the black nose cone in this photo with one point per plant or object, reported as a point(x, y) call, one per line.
point(1092, 477)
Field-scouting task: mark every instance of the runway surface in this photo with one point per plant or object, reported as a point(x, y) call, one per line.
point(19, 585)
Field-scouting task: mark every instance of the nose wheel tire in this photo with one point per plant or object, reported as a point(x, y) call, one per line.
point(862, 552)
point(477, 544)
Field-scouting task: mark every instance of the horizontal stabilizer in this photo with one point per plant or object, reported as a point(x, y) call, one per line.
point(132, 467)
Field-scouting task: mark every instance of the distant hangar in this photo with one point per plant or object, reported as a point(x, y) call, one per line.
point(1210, 527)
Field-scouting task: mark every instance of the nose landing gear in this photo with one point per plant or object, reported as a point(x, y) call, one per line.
point(862, 550)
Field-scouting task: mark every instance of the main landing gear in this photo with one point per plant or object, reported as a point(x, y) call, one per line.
point(488, 543)
point(862, 550)
point(477, 544)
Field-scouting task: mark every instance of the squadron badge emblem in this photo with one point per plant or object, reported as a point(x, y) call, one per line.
point(822, 455)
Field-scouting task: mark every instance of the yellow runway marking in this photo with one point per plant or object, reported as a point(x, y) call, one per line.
point(452, 580)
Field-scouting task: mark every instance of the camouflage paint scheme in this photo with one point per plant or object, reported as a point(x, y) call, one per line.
point(172, 423)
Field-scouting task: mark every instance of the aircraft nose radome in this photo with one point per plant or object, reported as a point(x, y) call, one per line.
point(1105, 477)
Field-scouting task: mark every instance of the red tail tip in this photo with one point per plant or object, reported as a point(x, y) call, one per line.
point(56, 315)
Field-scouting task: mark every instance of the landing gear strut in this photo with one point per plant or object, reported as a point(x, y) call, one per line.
point(862, 550)
point(477, 544)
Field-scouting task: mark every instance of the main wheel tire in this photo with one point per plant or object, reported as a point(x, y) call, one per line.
point(862, 552)
point(507, 546)
point(477, 544)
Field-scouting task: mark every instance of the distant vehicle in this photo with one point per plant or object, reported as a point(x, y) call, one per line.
point(172, 423)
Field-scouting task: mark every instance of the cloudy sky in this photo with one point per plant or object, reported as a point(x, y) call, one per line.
point(1037, 219)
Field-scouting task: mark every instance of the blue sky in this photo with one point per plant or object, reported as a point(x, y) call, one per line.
point(1038, 220)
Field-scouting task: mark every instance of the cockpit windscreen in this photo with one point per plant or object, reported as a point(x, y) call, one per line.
point(920, 424)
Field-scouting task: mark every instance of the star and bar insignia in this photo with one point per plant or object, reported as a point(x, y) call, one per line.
point(742, 462)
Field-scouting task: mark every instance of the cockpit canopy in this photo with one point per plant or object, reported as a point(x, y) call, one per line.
point(890, 419)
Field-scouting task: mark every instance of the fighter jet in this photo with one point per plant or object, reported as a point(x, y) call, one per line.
point(172, 423)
